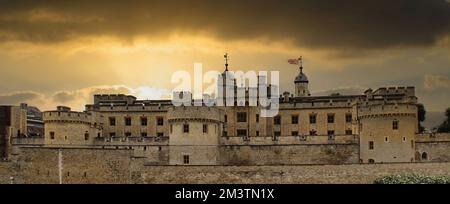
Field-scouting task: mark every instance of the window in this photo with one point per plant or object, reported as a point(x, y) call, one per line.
point(112, 134)
point(205, 128)
point(294, 133)
point(143, 134)
point(330, 118)
point(313, 133)
point(424, 156)
point(312, 118)
point(371, 145)
point(277, 120)
point(330, 132)
point(241, 117)
point(371, 161)
point(226, 118)
point(404, 139)
point(127, 121)
point(159, 121)
point(160, 134)
point(386, 139)
point(395, 125)
point(348, 118)
point(257, 133)
point(276, 133)
point(225, 133)
point(86, 136)
point(349, 132)
point(143, 121)
point(52, 135)
point(257, 118)
point(185, 159)
point(185, 128)
point(112, 121)
point(242, 133)
point(294, 119)
point(128, 134)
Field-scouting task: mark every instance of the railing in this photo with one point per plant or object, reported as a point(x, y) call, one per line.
point(287, 140)
point(130, 140)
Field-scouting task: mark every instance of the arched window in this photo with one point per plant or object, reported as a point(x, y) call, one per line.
point(86, 136)
point(424, 156)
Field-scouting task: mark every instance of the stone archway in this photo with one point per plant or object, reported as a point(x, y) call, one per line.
point(424, 156)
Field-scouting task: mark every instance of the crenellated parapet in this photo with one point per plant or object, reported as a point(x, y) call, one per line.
point(123, 99)
point(375, 110)
point(67, 117)
point(408, 91)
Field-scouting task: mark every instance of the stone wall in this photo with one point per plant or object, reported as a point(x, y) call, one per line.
point(42, 165)
point(5, 172)
point(433, 147)
point(288, 154)
point(48, 165)
point(313, 174)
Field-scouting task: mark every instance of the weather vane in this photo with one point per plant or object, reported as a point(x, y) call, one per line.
point(226, 61)
point(300, 61)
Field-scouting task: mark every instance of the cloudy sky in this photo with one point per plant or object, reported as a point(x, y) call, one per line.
point(62, 52)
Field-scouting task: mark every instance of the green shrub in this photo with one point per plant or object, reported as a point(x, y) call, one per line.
point(413, 179)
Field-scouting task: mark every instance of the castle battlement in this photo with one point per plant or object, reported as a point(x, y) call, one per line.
point(408, 91)
point(67, 116)
point(123, 99)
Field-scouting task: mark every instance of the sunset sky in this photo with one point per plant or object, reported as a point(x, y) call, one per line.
point(62, 52)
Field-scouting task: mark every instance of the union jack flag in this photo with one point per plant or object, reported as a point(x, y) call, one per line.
point(294, 61)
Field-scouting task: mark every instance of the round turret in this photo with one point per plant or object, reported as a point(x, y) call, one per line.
point(301, 84)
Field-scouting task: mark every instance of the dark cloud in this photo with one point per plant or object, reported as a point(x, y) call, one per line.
point(63, 97)
point(18, 97)
point(336, 24)
point(433, 82)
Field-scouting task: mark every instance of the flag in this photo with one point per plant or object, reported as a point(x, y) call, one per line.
point(293, 61)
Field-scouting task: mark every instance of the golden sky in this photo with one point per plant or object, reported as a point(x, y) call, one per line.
point(62, 52)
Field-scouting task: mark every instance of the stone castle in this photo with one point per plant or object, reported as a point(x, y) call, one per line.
point(117, 137)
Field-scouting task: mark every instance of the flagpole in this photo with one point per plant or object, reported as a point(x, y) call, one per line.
point(300, 60)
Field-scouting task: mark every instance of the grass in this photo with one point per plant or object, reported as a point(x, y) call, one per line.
point(412, 179)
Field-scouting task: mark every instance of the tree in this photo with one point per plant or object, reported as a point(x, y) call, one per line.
point(445, 126)
point(421, 112)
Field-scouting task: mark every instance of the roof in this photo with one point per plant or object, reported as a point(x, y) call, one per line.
point(301, 77)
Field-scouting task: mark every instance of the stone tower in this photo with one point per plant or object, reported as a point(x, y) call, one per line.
point(301, 83)
point(387, 126)
point(194, 135)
